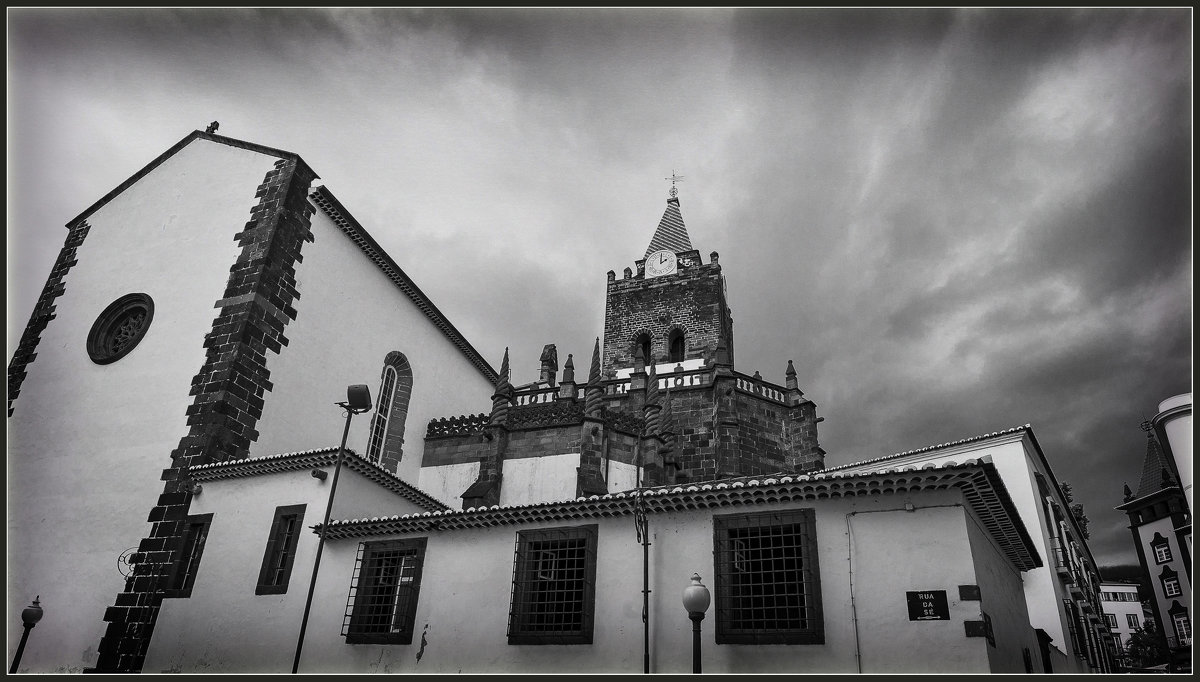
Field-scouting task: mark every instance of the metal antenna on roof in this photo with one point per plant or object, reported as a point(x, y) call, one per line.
point(674, 179)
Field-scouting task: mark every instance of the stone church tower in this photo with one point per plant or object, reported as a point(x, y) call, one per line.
point(662, 402)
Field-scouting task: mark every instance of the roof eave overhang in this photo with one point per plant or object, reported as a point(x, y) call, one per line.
point(978, 480)
point(313, 459)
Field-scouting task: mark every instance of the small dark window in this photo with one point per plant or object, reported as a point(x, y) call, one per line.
point(644, 349)
point(276, 568)
point(554, 586)
point(383, 595)
point(678, 346)
point(187, 560)
point(768, 587)
point(120, 328)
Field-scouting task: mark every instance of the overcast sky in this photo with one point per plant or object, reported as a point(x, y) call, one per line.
point(953, 222)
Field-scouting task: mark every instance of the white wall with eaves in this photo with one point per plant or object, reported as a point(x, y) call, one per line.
point(223, 615)
point(1017, 462)
point(463, 605)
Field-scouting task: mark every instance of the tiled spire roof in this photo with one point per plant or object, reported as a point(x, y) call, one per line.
point(1153, 468)
point(671, 234)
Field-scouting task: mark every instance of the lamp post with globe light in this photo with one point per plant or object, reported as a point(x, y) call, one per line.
point(696, 600)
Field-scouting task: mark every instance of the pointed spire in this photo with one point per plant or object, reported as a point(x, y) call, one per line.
point(1155, 472)
point(569, 370)
point(595, 392)
point(791, 377)
point(503, 395)
point(671, 233)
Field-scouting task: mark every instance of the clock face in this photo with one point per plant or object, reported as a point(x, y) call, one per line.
point(661, 263)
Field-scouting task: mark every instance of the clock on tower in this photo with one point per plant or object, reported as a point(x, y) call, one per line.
point(662, 262)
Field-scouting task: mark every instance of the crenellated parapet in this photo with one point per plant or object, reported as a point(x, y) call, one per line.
point(463, 425)
point(542, 415)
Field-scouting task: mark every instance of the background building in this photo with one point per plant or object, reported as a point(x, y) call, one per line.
point(1160, 517)
point(1123, 614)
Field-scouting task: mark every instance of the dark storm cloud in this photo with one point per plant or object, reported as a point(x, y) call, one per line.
point(953, 221)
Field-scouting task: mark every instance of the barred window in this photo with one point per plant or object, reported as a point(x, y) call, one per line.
point(554, 586)
point(1131, 620)
point(187, 560)
point(768, 586)
point(276, 569)
point(1111, 619)
point(383, 594)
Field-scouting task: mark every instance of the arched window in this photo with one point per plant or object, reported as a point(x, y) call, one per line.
point(386, 441)
point(678, 345)
point(642, 348)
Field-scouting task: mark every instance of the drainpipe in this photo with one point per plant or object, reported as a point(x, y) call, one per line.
point(908, 507)
point(643, 535)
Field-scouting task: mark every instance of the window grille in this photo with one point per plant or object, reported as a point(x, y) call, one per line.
point(1131, 620)
point(767, 578)
point(383, 410)
point(187, 562)
point(1112, 620)
point(276, 569)
point(382, 604)
point(554, 584)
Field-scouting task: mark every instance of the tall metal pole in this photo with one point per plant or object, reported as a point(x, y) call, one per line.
point(30, 616)
point(312, 583)
point(696, 618)
point(643, 533)
point(20, 649)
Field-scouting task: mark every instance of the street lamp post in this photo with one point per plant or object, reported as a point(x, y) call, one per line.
point(30, 616)
point(696, 600)
point(358, 400)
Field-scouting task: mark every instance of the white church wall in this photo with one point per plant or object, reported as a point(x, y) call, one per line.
point(621, 476)
point(224, 615)
point(1016, 461)
point(446, 483)
point(87, 439)
point(349, 317)
point(462, 611)
point(549, 478)
point(892, 552)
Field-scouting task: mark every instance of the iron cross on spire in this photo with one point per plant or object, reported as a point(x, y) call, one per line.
point(674, 179)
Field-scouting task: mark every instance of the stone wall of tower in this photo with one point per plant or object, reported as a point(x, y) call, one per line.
point(732, 425)
point(693, 301)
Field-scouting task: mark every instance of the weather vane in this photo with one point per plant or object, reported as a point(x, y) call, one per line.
point(674, 179)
